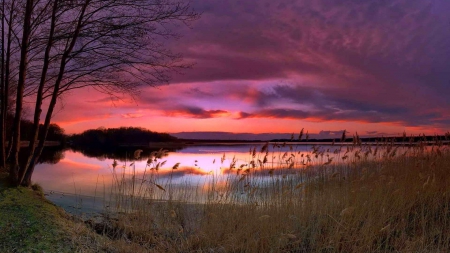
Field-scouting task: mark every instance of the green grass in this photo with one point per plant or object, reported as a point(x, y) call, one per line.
point(29, 223)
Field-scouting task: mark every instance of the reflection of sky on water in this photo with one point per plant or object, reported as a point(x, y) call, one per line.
point(209, 149)
point(73, 172)
point(77, 180)
point(78, 174)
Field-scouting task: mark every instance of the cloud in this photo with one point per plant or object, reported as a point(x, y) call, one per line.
point(331, 104)
point(195, 112)
point(383, 62)
point(272, 40)
point(374, 61)
point(132, 115)
point(276, 113)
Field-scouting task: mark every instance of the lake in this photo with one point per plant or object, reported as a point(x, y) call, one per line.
point(79, 181)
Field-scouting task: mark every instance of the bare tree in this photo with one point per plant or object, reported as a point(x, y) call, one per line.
point(111, 45)
point(7, 22)
point(2, 91)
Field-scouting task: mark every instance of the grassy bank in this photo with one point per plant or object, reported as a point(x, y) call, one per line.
point(30, 223)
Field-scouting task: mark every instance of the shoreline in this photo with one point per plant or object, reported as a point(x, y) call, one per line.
point(32, 223)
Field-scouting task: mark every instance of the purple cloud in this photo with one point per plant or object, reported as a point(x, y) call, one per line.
point(382, 61)
point(195, 112)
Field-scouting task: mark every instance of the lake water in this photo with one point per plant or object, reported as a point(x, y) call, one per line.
point(80, 181)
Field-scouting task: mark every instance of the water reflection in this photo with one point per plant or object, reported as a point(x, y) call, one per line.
point(73, 178)
point(83, 171)
point(119, 153)
point(50, 155)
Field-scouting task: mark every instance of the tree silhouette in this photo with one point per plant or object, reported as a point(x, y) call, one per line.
point(53, 46)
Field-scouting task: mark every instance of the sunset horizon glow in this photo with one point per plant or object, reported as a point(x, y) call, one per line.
point(379, 68)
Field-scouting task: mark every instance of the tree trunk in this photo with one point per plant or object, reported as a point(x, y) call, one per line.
point(30, 168)
point(2, 94)
point(7, 76)
point(39, 97)
point(20, 88)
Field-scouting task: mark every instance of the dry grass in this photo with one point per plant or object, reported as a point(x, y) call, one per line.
point(360, 198)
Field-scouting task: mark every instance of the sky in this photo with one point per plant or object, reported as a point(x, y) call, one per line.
point(376, 67)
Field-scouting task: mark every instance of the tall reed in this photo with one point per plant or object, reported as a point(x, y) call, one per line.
point(379, 197)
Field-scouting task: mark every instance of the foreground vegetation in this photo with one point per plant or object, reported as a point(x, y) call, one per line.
point(357, 198)
point(380, 198)
point(30, 223)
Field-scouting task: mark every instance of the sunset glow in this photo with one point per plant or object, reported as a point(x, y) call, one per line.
point(375, 67)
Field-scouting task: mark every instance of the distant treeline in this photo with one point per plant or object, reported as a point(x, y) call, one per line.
point(417, 138)
point(55, 132)
point(118, 143)
point(115, 137)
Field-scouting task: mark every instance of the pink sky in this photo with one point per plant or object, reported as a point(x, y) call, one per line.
point(375, 67)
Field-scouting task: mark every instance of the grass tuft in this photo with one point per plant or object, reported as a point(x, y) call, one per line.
point(38, 189)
